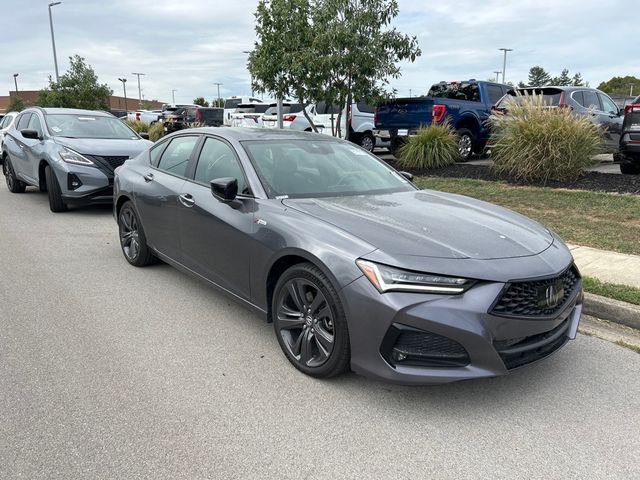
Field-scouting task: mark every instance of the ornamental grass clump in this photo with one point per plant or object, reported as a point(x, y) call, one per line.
point(434, 146)
point(535, 141)
point(138, 126)
point(156, 131)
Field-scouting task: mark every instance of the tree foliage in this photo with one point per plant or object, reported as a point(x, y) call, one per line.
point(16, 104)
point(621, 85)
point(217, 102)
point(538, 77)
point(78, 88)
point(200, 101)
point(564, 79)
point(328, 50)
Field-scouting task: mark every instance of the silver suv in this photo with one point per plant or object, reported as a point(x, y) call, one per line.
point(70, 154)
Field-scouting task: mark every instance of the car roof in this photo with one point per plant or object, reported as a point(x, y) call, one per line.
point(245, 133)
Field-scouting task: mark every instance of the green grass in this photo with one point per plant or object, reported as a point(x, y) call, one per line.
point(594, 219)
point(611, 290)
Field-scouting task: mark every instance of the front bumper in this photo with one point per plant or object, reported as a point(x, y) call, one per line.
point(94, 184)
point(493, 344)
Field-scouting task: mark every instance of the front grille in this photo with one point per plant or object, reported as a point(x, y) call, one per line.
point(408, 346)
point(521, 351)
point(108, 163)
point(114, 162)
point(536, 298)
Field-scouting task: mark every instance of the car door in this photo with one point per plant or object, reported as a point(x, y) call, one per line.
point(34, 149)
point(611, 119)
point(19, 157)
point(215, 234)
point(158, 190)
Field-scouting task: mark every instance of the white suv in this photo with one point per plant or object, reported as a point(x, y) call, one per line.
point(360, 120)
point(293, 117)
point(232, 103)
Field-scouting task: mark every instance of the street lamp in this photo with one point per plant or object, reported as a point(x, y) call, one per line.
point(139, 91)
point(497, 72)
point(173, 96)
point(53, 39)
point(218, 84)
point(15, 80)
point(504, 63)
point(124, 86)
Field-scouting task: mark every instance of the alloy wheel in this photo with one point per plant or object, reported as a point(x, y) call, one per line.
point(9, 178)
point(129, 235)
point(367, 143)
point(305, 322)
point(464, 146)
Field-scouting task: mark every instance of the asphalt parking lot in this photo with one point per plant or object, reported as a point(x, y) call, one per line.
point(107, 371)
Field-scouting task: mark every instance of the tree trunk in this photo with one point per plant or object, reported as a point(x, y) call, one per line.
point(306, 115)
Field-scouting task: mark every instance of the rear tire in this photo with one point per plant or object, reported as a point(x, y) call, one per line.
point(367, 141)
point(56, 204)
point(133, 241)
point(13, 184)
point(465, 144)
point(629, 168)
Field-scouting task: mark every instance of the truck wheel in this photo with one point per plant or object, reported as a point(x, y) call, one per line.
point(465, 144)
point(629, 168)
point(367, 141)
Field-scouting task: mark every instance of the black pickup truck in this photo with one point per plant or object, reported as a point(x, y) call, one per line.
point(466, 104)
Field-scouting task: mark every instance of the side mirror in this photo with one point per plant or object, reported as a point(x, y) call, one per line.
point(144, 135)
point(225, 189)
point(407, 175)
point(32, 134)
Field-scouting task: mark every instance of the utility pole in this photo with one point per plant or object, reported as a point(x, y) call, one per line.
point(173, 95)
point(410, 92)
point(498, 72)
point(218, 85)
point(53, 39)
point(15, 79)
point(504, 63)
point(630, 89)
point(139, 91)
point(124, 86)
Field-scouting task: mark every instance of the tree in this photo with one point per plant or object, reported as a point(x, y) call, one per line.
point(538, 77)
point(78, 88)
point(577, 80)
point(521, 84)
point(217, 102)
point(16, 104)
point(200, 101)
point(621, 85)
point(327, 50)
point(564, 78)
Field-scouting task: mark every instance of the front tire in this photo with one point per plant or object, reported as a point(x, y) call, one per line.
point(465, 144)
point(133, 241)
point(310, 323)
point(13, 184)
point(56, 204)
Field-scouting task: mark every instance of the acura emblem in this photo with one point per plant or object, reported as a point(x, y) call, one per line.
point(550, 296)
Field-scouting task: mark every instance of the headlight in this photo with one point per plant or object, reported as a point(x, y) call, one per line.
point(70, 156)
point(386, 279)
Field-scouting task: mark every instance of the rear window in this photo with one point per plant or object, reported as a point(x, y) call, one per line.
point(456, 91)
point(364, 108)
point(323, 109)
point(232, 102)
point(550, 96)
point(292, 108)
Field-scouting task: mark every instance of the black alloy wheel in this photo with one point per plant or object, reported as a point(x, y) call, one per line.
point(309, 322)
point(13, 184)
point(132, 239)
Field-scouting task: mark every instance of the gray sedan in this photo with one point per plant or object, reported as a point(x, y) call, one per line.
point(355, 266)
point(68, 153)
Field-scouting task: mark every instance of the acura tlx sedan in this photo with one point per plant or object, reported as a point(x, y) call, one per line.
point(355, 266)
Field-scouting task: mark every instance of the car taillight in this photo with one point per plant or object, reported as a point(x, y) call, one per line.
point(630, 107)
point(198, 116)
point(562, 103)
point(288, 118)
point(437, 113)
point(349, 115)
point(138, 116)
point(497, 111)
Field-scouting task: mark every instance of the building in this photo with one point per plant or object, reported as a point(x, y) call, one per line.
point(116, 103)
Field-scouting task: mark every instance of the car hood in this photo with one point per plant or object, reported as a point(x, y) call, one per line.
point(431, 224)
point(105, 147)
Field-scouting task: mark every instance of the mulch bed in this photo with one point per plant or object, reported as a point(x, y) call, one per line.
point(594, 181)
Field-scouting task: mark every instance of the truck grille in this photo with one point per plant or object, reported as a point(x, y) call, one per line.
point(537, 298)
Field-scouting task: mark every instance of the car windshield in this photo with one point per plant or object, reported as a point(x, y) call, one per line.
point(320, 168)
point(88, 126)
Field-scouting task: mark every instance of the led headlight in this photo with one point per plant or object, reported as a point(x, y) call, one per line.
point(70, 156)
point(386, 279)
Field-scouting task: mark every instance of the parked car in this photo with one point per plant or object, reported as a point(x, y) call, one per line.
point(354, 265)
point(293, 117)
point(630, 139)
point(467, 106)
point(249, 115)
point(5, 124)
point(589, 102)
point(70, 154)
point(146, 116)
point(182, 117)
point(231, 104)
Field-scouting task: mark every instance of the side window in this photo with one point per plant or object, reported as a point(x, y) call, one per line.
point(155, 152)
point(364, 108)
point(607, 104)
point(23, 121)
point(217, 160)
point(590, 99)
point(34, 124)
point(578, 97)
point(495, 93)
point(176, 156)
point(5, 122)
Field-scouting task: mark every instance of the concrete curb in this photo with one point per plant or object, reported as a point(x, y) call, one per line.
point(612, 310)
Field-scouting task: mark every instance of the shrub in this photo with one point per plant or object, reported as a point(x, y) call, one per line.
point(138, 126)
point(434, 146)
point(156, 131)
point(535, 141)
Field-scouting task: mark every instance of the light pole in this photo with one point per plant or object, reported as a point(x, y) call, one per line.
point(139, 91)
point(53, 39)
point(250, 76)
point(504, 63)
point(173, 96)
point(124, 86)
point(15, 80)
point(497, 73)
point(218, 84)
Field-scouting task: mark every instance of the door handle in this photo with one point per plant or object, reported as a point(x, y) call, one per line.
point(187, 200)
point(148, 177)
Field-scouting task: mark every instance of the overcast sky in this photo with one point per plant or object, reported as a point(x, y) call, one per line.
point(189, 44)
